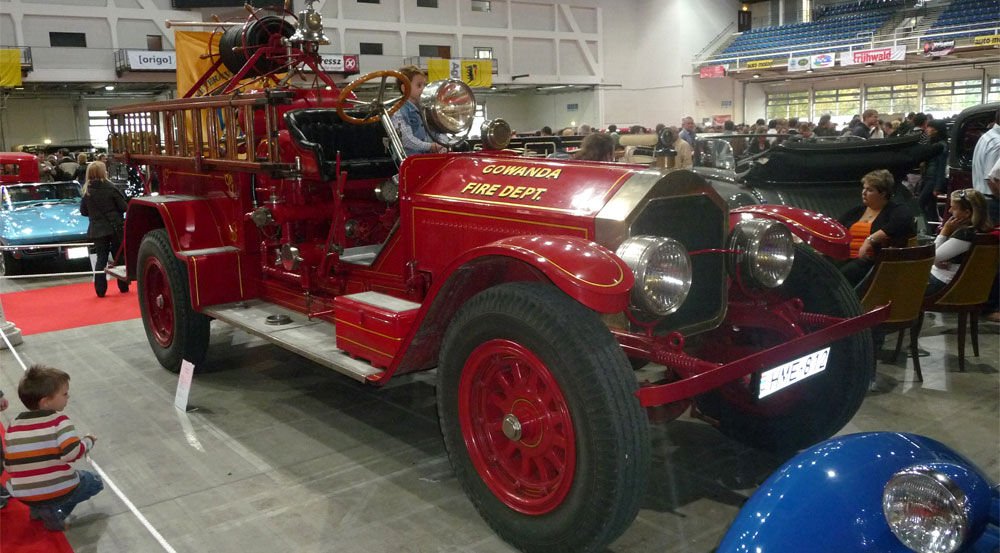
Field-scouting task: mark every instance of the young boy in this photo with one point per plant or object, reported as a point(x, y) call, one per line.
point(4, 494)
point(41, 444)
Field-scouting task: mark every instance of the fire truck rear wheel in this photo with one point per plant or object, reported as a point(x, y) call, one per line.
point(537, 406)
point(813, 409)
point(175, 331)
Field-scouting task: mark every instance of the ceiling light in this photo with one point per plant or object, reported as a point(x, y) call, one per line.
point(47, 141)
point(756, 75)
point(809, 70)
point(109, 87)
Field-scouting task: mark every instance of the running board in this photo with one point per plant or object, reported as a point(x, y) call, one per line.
point(313, 339)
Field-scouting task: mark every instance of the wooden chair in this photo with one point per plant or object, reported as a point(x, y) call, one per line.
point(899, 276)
point(967, 293)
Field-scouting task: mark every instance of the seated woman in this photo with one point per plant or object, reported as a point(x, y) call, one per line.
point(596, 147)
point(877, 222)
point(968, 216)
point(407, 120)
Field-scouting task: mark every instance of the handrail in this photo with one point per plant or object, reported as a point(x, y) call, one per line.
point(852, 44)
point(711, 44)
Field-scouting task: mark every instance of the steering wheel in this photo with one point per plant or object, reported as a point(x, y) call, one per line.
point(377, 107)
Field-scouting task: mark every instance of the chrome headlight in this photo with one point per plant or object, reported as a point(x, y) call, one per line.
point(662, 272)
point(495, 134)
point(926, 510)
point(764, 252)
point(448, 108)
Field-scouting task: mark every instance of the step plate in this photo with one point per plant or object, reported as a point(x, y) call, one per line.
point(312, 339)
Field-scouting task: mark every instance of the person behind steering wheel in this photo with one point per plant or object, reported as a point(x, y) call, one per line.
point(408, 121)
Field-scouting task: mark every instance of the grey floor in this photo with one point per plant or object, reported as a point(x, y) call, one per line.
point(282, 455)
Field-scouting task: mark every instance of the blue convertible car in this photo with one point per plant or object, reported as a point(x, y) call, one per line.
point(40, 214)
point(882, 492)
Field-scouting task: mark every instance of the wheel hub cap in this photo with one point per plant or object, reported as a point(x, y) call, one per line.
point(159, 301)
point(512, 427)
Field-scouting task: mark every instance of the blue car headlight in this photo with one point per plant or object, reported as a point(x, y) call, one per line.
point(926, 509)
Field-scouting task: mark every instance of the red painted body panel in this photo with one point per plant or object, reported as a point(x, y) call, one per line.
point(825, 234)
point(16, 167)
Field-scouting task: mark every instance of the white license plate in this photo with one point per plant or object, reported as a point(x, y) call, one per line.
point(77, 253)
point(789, 373)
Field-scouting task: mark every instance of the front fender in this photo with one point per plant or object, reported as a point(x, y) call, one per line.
point(829, 497)
point(586, 271)
point(825, 234)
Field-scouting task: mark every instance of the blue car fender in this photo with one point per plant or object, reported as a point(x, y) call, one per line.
point(829, 498)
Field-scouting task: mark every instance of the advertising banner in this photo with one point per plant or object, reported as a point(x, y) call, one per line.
point(875, 55)
point(712, 71)
point(760, 64)
point(938, 49)
point(10, 68)
point(148, 60)
point(986, 40)
point(340, 63)
point(475, 73)
point(822, 61)
point(191, 45)
point(799, 63)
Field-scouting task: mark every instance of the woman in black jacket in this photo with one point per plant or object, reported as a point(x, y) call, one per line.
point(105, 206)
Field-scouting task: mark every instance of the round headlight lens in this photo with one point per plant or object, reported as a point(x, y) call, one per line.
point(495, 134)
point(764, 254)
point(925, 510)
point(662, 270)
point(449, 106)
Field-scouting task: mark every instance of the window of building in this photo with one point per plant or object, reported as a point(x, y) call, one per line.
point(371, 48)
point(993, 92)
point(68, 40)
point(481, 5)
point(840, 103)
point(427, 3)
point(946, 98)
point(98, 128)
point(893, 99)
point(483, 53)
point(434, 51)
point(782, 105)
point(369, 1)
point(478, 119)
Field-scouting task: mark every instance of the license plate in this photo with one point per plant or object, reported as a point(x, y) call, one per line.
point(783, 376)
point(77, 253)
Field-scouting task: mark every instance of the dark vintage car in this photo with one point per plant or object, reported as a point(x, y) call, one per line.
point(966, 129)
point(875, 492)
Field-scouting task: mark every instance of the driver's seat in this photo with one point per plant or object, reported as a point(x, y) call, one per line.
point(363, 151)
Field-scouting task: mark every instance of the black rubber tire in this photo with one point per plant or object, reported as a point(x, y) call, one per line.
point(190, 329)
point(594, 376)
point(10, 266)
point(826, 401)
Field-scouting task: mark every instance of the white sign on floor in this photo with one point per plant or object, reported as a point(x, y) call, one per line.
point(184, 386)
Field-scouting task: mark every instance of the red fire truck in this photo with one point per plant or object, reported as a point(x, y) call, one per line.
point(537, 288)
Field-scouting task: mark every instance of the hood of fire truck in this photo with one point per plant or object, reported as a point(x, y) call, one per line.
point(460, 202)
point(600, 200)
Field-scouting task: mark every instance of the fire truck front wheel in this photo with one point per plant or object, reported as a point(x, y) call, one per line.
point(814, 408)
point(537, 406)
point(175, 331)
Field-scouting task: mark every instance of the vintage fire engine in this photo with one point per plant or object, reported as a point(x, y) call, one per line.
point(537, 288)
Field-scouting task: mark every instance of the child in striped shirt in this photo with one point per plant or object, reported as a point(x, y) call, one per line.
point(41, 444)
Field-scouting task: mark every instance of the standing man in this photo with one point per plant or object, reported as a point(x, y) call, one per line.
point(869, 127)
point(984, 157)
point(688, 132)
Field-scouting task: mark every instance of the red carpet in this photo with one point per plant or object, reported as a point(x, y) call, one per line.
point(20, 534)
point(68, 306)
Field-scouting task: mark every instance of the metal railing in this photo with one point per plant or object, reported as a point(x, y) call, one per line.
point(26, 62)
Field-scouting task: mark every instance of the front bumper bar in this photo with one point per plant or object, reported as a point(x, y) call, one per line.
point(699, 376)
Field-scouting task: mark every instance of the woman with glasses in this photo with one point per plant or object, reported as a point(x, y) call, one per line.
point(968, 216)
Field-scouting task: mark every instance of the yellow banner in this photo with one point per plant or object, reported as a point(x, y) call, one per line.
point(475, 73)
point(190, 47)
point(10, 68)
point(986, 40)
point(756, 64)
